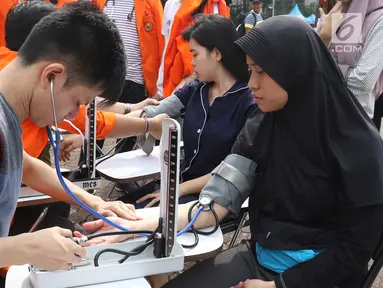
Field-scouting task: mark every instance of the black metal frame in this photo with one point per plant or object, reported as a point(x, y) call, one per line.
point(376, 266)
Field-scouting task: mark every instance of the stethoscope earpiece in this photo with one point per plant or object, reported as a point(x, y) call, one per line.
point(51, 77)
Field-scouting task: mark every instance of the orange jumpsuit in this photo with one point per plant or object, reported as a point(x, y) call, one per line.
point(178, 58)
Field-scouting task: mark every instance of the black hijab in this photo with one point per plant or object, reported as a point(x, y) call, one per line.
point(322, 133)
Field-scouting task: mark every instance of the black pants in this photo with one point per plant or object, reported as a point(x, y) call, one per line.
point(378, 112)
point(131, 93)
point(224, 271)
point(233, 266)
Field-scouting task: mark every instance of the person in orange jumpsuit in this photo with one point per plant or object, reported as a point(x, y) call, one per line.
point(176, 66)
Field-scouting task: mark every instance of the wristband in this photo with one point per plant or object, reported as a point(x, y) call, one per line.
point(128, 108)
point(146, 126)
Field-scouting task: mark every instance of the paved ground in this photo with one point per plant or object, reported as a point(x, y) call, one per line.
point(80, 215)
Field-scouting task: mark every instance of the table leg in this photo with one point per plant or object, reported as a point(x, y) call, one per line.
point(111, 192)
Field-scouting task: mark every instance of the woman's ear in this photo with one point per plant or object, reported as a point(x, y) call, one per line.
point(217, 55)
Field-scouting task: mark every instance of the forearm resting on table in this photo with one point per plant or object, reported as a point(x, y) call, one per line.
point(205, 219)
point(194, 186)
point(41, 177)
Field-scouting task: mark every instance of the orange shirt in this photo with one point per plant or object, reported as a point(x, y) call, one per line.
point(36, 138)
point(5, 6)
point(149, 14)
point(178, 58)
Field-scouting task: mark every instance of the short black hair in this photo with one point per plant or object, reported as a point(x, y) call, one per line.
point(215, 31)
point(86, 41)
point(21, 19)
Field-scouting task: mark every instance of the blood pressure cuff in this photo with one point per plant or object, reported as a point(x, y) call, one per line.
point(232, 182)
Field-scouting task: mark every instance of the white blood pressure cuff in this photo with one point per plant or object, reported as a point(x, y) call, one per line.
point(232, 182)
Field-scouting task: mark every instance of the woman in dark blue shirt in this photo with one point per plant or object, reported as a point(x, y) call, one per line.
point(214, 106)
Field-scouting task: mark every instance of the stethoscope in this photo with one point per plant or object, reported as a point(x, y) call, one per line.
point(203, 203)
point(57, 142)
point(56, 148)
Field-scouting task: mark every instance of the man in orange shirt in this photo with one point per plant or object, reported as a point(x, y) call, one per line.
point(19, 23)
point(45, 69)
point(19, 16)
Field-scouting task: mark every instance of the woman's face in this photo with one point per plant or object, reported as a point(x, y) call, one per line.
point(267, 93)
point(205, 63)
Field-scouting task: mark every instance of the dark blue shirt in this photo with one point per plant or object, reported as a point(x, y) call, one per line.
point(209, 132)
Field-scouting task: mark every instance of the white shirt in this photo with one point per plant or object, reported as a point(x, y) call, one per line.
point(170, 11)
point(215, 8)
point(124, 16)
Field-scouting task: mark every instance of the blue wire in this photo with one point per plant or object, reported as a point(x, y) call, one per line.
point(56, 147)
point(70, 193)
point(191, 222)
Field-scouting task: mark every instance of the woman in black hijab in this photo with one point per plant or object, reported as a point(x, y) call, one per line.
point(317, 210)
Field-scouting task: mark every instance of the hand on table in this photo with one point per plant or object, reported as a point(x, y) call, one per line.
point(256, 284)
point(143, 104)
point(155, 196)
point(68, 144)
point(116, 209)
point(155, 125)
point(103, 227)
point(50, 249)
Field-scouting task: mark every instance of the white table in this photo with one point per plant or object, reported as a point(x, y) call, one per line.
point(18, 276)
point(30, 197)
point(131, 166)
point(207, 245)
